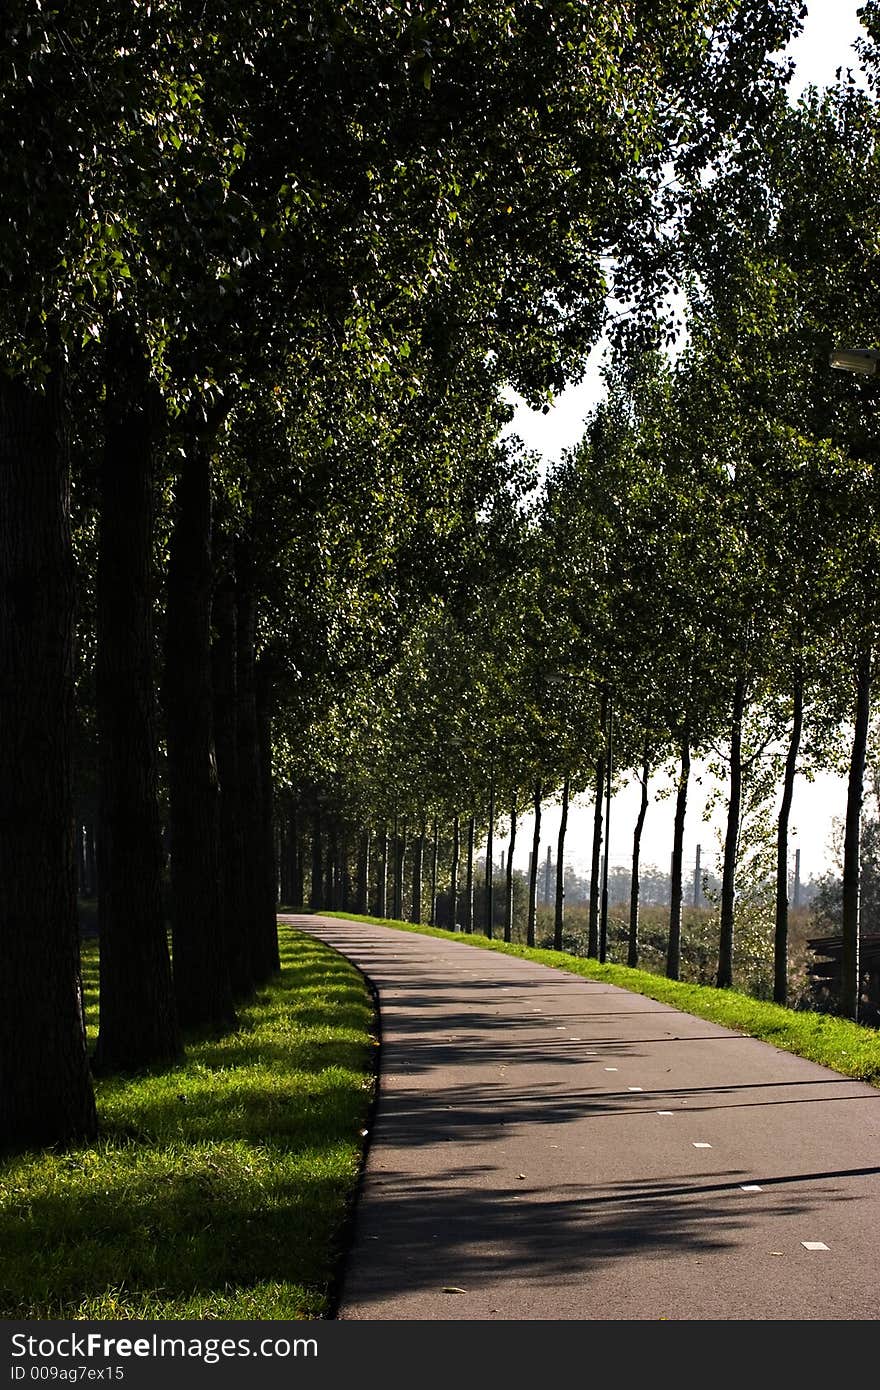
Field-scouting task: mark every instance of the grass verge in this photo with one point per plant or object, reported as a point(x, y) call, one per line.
point(833, 1042)
point(218, 1189)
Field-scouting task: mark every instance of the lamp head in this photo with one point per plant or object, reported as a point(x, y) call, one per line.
point(862, 360)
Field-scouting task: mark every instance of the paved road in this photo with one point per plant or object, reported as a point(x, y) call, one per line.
point(548, 1147)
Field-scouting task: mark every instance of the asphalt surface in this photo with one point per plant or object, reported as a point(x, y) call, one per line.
point(547, 1147)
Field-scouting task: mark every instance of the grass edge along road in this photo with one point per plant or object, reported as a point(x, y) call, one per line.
point(217, 1189)
point(837, 1043)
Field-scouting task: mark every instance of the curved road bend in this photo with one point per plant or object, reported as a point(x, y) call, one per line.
point(549, 1147)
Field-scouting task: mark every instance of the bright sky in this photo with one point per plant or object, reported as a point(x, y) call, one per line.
point(825, 44)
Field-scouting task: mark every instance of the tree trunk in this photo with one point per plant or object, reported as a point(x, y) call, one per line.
point(731, 842)
point(233, 880)
point(533, 869)
point(201, 970)
point(266, 958)
point(401, 845)
point(404, 846)
point(453, 873)
point(251, 777)
point(595, 868)
point(282, 844)
point(292, 892)
point(435, 855)
point(850, 969)
point(91, 862)
point(559, 918)
point(363, 891)
point(632, 953)
point(281, 880)
point(316, 882)
point(780, 946)
point(81, 859)
point(382, 875)
point(138, 1014)
point(415, 914)
point(395, 872)
point(344, 876)
point(330, 869)
point(490, 866)
point(469, 879)
point(297, 888)
point(673, 946)
point(45, 1089)
point(508, 893)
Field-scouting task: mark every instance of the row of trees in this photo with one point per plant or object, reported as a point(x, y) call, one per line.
point(266, 273)
point(699, 576)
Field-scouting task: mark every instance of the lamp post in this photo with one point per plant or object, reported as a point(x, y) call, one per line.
point(490, 846)
point(864, 362)
point(609, 772)
point(468, 747)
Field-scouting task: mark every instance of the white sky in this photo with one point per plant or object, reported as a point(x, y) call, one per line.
point(825, 44)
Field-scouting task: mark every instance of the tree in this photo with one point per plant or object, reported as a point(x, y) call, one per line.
point(138, 1017)
point(270, 198)
point(45, 1091)
point(784, 262)
point(55, 257)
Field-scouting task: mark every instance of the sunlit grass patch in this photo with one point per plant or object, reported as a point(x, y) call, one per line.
point(219, 1188)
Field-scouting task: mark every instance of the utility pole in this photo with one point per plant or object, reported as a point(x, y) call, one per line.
point(796, 887)
point(548, 878)
point(698, 882)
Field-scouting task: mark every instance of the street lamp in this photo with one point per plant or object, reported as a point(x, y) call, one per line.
point(864, 361)
point(861, 360)
point(603, 920)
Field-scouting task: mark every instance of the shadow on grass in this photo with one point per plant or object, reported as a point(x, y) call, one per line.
point(219, 1187)
point(171, 1227)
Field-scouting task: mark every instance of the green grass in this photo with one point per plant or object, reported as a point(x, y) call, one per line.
point(833, 1042)
point(218, 1189)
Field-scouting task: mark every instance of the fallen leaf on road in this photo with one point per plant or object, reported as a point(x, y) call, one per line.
point(452, 1289)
